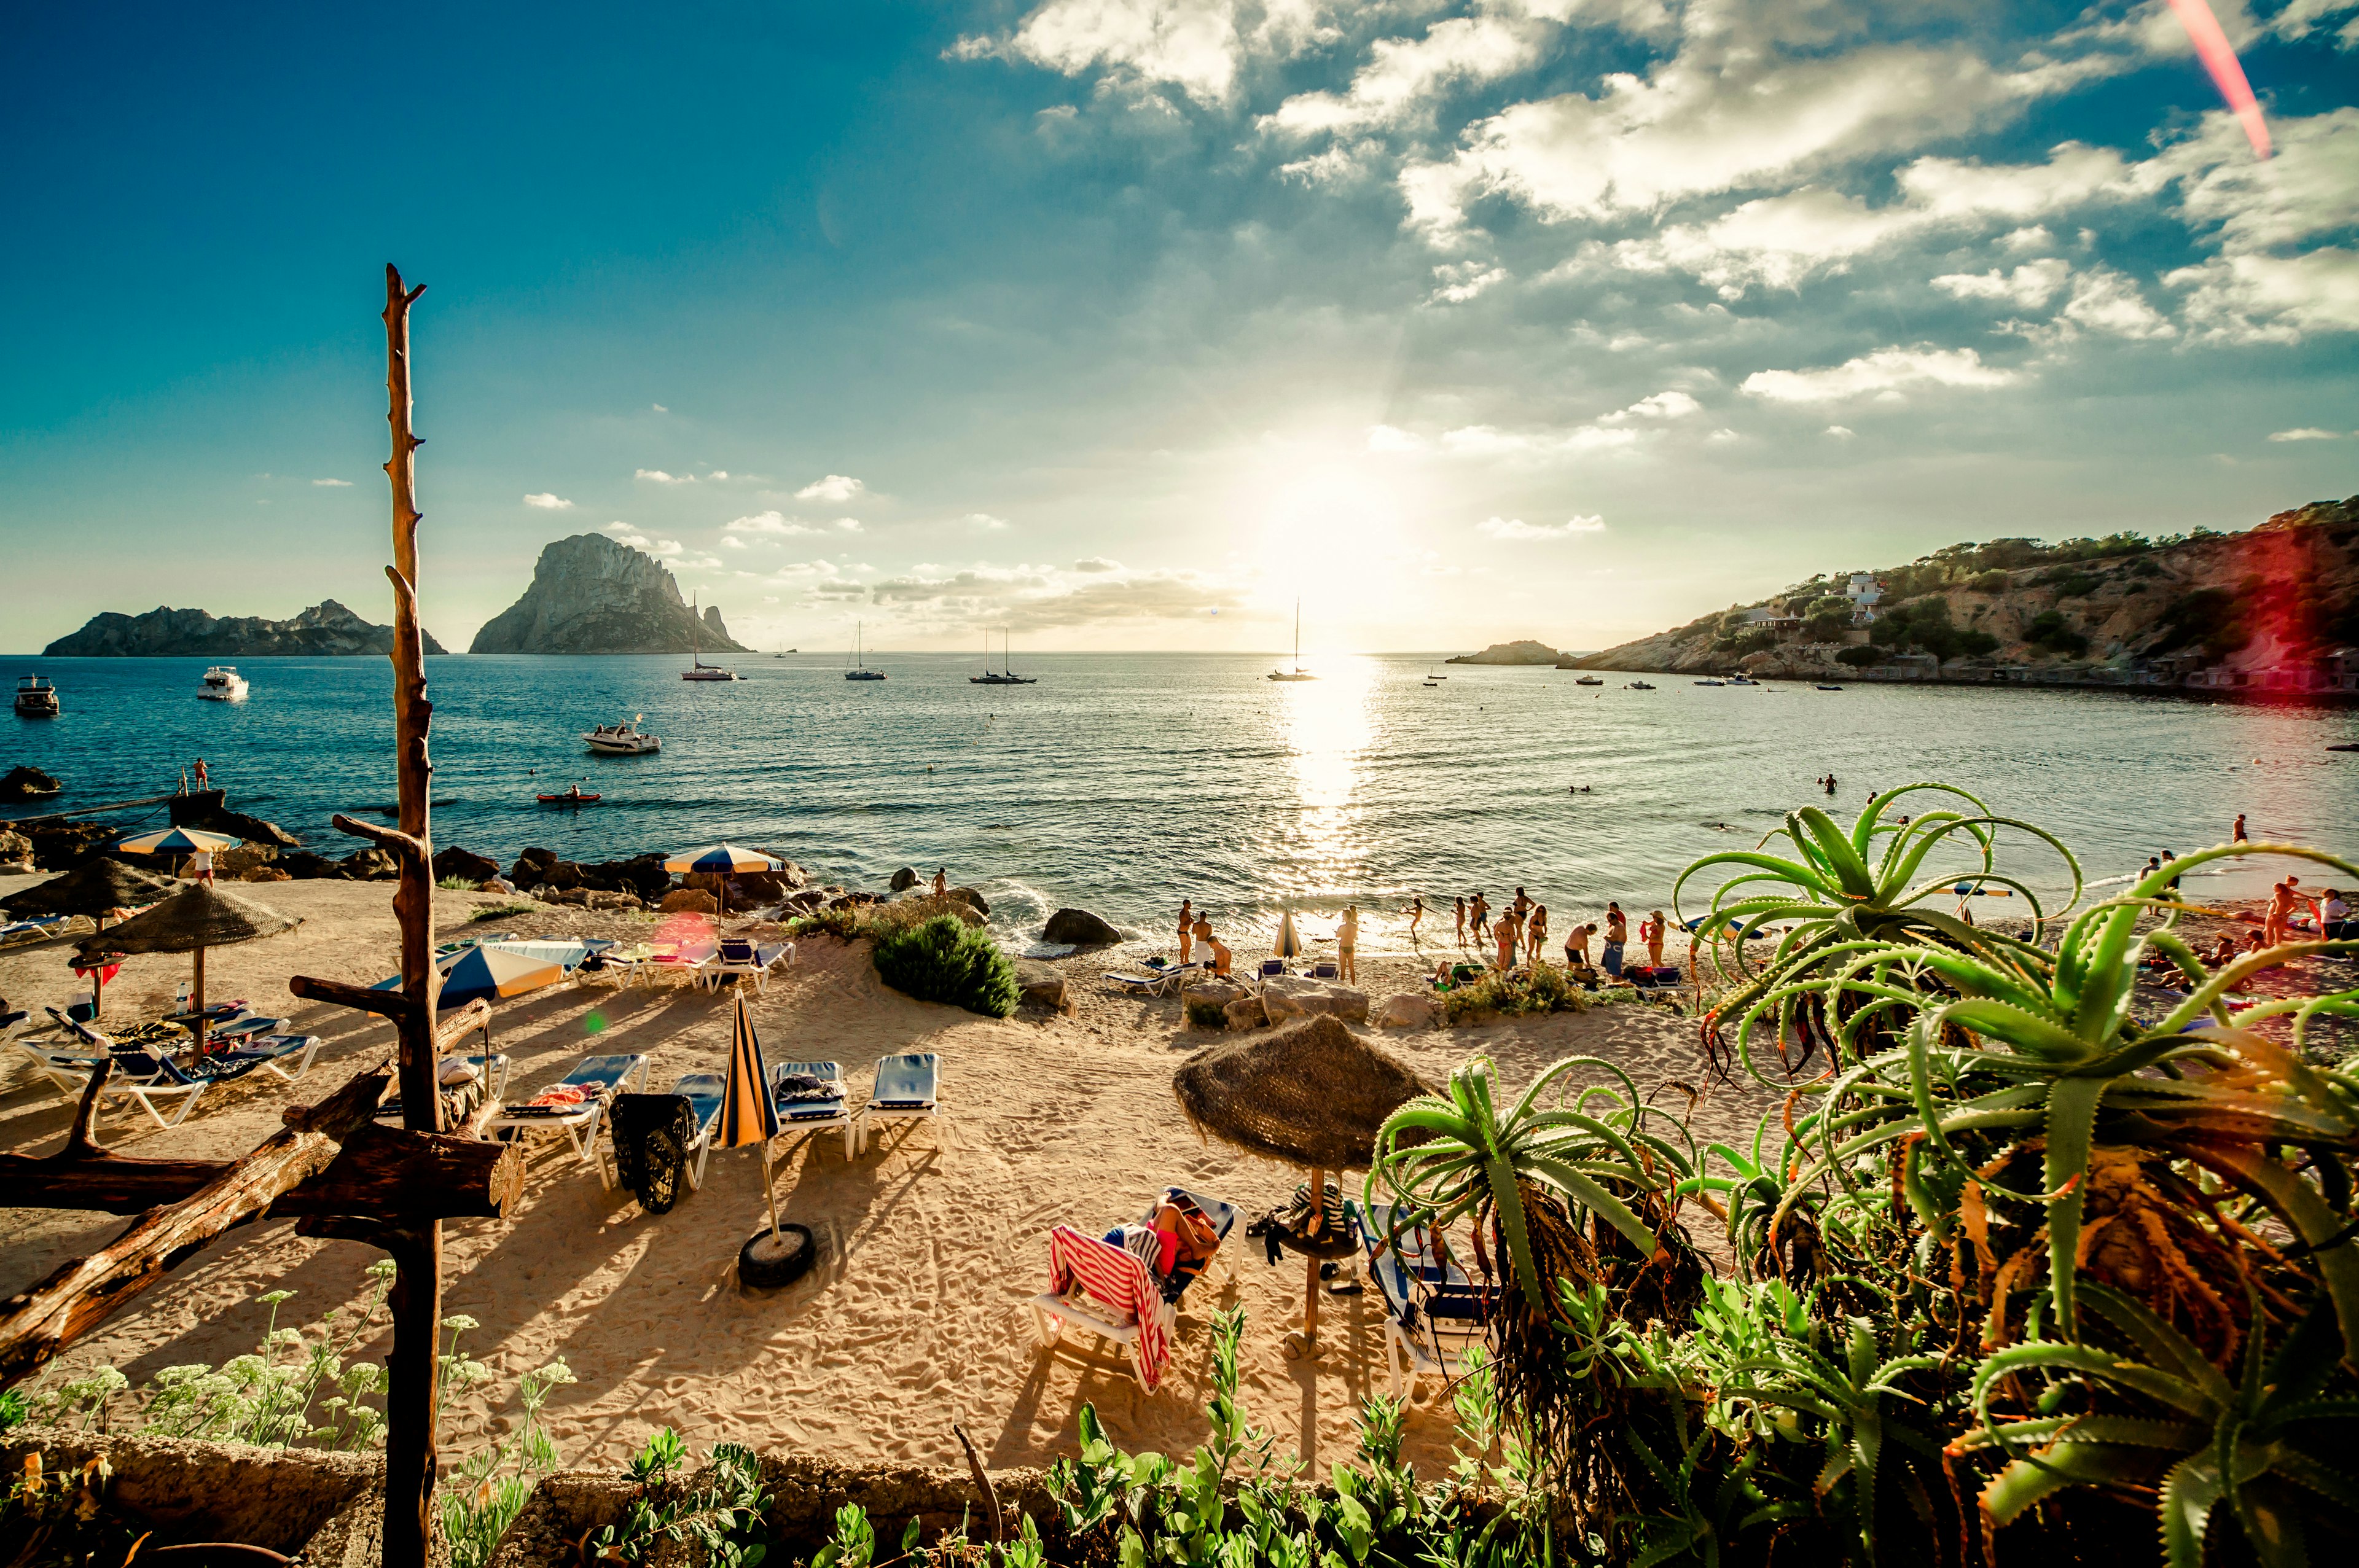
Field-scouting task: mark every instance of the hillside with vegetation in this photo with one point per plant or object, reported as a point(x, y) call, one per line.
point(2125, 606)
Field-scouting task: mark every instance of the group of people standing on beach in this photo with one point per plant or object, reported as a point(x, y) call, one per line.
point(1521, 931)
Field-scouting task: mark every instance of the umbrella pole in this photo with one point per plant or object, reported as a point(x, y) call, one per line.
point(1310, 1261)
point(768, 1191)
point(197, 1000)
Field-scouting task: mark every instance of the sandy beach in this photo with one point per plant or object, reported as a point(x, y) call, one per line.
point(916, 1317)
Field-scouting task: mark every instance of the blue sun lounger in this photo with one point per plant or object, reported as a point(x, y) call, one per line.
point(828, 1107)
point(906, 1089)
point(1433, 1312)
point(607, 1074)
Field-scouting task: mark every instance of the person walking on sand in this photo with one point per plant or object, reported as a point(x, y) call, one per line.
point(1347, 940)
point(1617, 936)
point(1651, 931)
point(2284, 899)
point(1510, 933)
point(1460, 902)
point(1416, 913)
point(1535, 933)
point(1481, 912)
point(1186, 928)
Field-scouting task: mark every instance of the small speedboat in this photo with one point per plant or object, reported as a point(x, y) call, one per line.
point(1711, 683)
point(1641, 685)
point(1590, 680)
point(574, 796)
point(1821, 685)
point(36, 698)
point(1742, 680)
point(622, 740)
point(222, 684)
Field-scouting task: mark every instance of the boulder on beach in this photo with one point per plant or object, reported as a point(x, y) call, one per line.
point(370, 865)
point(1289, 997)
point(529, 869)
point(62, 846)
point(1247, 1012)
point(304, 866)
point(972, 898)
point(208, 810)
point(1409, 1010)
point(1079, 929)
point(28, 784)
point(16, 850)
point(465, 863)
point(690, 901)
point(902, 880)
point(1041, 985)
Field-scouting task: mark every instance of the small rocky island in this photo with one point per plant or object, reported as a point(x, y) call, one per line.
point(327, 628)
point(1522, 652)
point(592, 595)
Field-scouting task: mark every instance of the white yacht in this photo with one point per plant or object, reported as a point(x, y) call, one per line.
point(1298, 672)
point(622, 740)
point(222, 684)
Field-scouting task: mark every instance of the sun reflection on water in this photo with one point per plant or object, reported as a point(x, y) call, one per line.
point(1326, 727)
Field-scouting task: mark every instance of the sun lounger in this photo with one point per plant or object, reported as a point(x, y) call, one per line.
point(271, 1053)
point(1096, 1285)
point(1433, 1312)
point(1151, 982)
point(602, 1076)
point(741, 958)
point(690, 962)
point(813, 1115)
point(906, 1090)
point(460, 1113)
point(145, 1077)
point(69, 1069)
point(42, 929)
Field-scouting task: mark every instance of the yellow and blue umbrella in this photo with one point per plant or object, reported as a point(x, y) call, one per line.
point(489, 972)
point(176, 841)
point(749, 1114)
point(722, 859)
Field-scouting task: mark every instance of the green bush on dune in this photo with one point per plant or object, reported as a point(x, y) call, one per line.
point(944, 959)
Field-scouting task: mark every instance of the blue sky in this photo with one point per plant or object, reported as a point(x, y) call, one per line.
point(1123, 323)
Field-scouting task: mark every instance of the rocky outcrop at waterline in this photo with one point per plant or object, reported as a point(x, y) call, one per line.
point(591, 594)
point(326, 628)
point(1523, 651)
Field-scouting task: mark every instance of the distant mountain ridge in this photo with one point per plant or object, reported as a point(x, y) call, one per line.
point(325, 628)
point(591, 594)
point(2272, 609)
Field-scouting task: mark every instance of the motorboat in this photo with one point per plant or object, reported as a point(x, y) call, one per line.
point(1742, 680)
point(222, 684)
point(696, 668)
point(1590, 680)
point(1709, 682)
point(622, 740)
point(1003, 676)
point(573, 796)
point(1821, 685)
point(860, 670)
point(36, 698)
point(1297, 673)
point(1640, 686)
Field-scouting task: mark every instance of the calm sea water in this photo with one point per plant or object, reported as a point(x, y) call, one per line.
point(1124, 782)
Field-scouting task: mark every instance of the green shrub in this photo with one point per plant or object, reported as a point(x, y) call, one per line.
point(502, 911)
point(1207, 1015)
point(1546, 989)
point(2048, 630)
point(1859, 658)
point(1992, 582)
point(458, 884)
point(943, 959)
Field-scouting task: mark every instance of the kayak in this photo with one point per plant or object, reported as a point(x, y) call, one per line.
point(570, 797)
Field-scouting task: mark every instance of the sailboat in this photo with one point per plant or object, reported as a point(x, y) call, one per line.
point(1005, 677)
point(860, 670)
point(1299, 673)
point(696, 668)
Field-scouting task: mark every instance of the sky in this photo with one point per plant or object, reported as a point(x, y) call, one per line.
point(1135, 323)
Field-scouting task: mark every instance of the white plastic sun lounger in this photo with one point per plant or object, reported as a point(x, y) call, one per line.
point(704, 1093)
point(492, 1069)
point(744, 960)
point(812, 1115)
point(1433, 1312)
point(580, 1123)
point(143, 1076)
point(906, 1089)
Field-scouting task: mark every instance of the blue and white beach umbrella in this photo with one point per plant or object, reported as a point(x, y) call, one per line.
point(175, 841)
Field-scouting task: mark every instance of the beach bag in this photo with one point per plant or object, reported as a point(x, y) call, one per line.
point(651, 1134)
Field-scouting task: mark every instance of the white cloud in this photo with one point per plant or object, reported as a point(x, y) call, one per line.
point(659, 408)
point(628, 535)
point(2306, 433)
point(1392, 439)
point(334, 483)
point(657, 476)
point(718, 474)
point(545, 501)
point(1885, 371)
point(1403, 75)
point(1516, 529)
point(1489, 441)
point(1842, 432)
point(2027, 287)
point(985, 522)
point(2271, 299)
point(1461, 281)
point(780, 526)
point(2105, 301)
point(1096, 564)
point(1661, 405)
point(1192, 45)
point(835, 487)
point(731, 542)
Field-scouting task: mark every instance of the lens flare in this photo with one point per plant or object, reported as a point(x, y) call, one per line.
point(2219, 58)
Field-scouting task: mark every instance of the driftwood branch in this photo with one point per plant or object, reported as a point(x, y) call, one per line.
point(392, 840)
point(82, 1292)
point(341, 993)
point(982, 1484)
point(80, 1144)
point(397, 1176)
point(452, 1027)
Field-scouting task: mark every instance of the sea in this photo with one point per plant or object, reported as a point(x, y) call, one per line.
point(1123, 782)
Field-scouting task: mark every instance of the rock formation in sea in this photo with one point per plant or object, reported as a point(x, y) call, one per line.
point(1522, 652)
point(592, 595)
point(327, 628)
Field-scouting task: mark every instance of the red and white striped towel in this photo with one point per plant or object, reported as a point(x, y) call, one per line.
point(1120, 1283)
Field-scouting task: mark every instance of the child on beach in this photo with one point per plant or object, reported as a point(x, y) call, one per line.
point(1510, 932)
point(1460, 902)
point(1480, 910)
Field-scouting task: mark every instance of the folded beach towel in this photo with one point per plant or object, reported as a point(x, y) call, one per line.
point(797, 1088)
point(1121, 1285)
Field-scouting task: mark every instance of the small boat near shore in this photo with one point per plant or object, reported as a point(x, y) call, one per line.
point(36, 698)
point(1639, 686)
point(1590, 680)
point(1821, 685)
point(1709, 682)
point(622, 740)
point(574, 796)
point(860, 670)
point(222, 684)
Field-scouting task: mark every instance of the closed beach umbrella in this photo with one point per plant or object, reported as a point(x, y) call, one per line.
point(1288, 945)
point(721, 861)
point(748, 1112)
point(95, 888)
point(197, 917)
point(1312, 1094)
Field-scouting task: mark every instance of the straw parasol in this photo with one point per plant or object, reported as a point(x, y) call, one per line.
point(95, 888)
point(1312, 1094)
point(198, 917)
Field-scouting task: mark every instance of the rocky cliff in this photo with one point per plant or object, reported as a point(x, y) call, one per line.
point(1523, 652)
point(327, 628)
point(592, 595)
point(2283, 596)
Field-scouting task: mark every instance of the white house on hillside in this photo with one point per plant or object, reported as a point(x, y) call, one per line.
point(1864, 592)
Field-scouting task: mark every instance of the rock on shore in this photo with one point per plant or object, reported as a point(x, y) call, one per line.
point(591, 594)
point(1523, 651)
point(327, 628)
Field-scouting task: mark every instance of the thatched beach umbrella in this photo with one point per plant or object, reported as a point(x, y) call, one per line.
point(198, 917)
point(1312, 1094)
point(95, 888)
